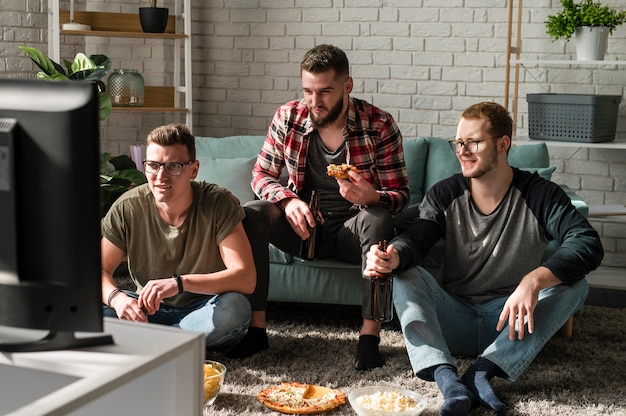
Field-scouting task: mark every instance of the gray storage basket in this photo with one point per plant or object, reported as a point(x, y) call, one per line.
point(572, 117)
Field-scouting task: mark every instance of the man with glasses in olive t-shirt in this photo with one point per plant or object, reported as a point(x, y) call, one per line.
point(187, 250)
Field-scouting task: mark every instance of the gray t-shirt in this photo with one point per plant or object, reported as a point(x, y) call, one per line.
point(157, 250)
point(476, 244)
point(318, 158)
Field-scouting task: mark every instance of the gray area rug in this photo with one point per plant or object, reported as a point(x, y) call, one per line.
point(584, 375)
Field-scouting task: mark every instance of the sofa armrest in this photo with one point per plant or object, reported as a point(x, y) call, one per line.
point(580, 205)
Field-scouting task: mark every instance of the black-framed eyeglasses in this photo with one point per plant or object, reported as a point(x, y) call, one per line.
point(471, 145)
point(170, 168)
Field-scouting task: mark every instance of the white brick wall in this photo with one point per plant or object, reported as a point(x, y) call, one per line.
point(421, 61)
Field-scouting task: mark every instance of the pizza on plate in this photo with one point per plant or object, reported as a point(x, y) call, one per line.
point(300, 398)
point(340, 171)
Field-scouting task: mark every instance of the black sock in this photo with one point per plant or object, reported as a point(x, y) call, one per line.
point(477, 377)
point(368, 355)
point(254, 341)
point(457, 397)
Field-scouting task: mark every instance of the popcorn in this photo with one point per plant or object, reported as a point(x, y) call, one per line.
point(388, 401)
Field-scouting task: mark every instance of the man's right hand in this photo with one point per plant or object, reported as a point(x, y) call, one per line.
point(299, 216)
point(127, 307)
point(381, 262)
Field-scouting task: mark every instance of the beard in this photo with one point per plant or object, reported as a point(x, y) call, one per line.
point(330, 118)
point(488, 163)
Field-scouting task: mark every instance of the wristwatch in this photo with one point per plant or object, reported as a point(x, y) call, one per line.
point(384, 200)
point(179, 282)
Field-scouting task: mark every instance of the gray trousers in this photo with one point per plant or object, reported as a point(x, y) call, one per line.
point(346, 238)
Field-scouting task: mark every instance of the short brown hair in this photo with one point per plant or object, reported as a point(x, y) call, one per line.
point(326, 57)
point(500, 121)
point(171, 134)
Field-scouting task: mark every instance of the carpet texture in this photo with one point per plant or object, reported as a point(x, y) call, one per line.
point(583, 376)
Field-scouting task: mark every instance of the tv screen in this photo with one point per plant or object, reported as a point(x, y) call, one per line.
point(50, 270)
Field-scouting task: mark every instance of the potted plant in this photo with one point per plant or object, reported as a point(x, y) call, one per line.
point(585, 20)
point(153, 19)
point(82, 68)
point(117, 174)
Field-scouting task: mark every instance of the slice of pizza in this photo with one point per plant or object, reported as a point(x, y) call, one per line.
point(340, 171)
point(301, 398)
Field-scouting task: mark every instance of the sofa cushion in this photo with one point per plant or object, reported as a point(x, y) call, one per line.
point(228, 162)
point(441, 164)
point(229, 147)
point(415, 153)
point(545, 173)
point(278, 256)
point(529, 156)
point(233, 174)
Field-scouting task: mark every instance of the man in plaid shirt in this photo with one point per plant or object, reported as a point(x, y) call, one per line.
point(327, 126)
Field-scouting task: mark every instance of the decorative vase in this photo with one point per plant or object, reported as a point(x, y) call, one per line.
point(126, 87)
point(591, 43)
point(153, 19)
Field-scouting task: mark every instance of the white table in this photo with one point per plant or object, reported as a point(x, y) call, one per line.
point(150, 369)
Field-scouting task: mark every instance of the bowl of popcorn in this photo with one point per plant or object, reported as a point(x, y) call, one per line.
point(386, 401)
point(213, 379)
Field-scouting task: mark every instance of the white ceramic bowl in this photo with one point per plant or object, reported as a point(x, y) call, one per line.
point(357, 396)
point(214, 373)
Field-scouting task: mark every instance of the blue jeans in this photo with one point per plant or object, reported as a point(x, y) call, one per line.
point(437, 325)
point(222, 318)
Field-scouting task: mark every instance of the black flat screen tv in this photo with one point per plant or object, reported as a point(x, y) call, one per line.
point(50, 271)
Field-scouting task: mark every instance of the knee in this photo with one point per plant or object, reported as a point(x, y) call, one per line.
point(259, 216)
point(377, 219)
point(253, 213)
point(403, 220)
point(236, 307)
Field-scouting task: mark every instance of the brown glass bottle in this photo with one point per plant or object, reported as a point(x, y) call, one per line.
point(310, 247)
point(381, 306)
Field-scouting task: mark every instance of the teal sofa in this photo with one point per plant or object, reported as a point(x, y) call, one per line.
point(228, 162)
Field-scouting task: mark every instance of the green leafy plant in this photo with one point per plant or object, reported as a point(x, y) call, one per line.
point(586, 13)
point(153, 3)
point(117, 175)
point(82, 68)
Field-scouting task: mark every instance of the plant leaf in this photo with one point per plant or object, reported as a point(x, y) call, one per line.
point(47, 65)
point(105, 106)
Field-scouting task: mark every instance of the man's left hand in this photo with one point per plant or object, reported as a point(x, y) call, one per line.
point(520, 306)
point(154, 292)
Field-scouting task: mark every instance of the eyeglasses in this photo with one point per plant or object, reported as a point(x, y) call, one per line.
point(470, 145)
point(171, 168)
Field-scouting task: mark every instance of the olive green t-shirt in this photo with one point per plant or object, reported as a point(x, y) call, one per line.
point(156, 250)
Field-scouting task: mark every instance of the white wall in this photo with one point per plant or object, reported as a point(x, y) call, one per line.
point(421, 61)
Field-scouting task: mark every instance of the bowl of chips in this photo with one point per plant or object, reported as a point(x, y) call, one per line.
point(214, 373)
point(386, 401)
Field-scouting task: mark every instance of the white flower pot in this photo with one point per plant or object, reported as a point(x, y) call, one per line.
point(591, 43)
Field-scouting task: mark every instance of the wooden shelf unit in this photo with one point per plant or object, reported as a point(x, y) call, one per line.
point(115, 24)
point(514, 60)
point(170, 99)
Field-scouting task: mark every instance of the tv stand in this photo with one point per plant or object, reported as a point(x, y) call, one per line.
point(106, 380)
point(57, 340)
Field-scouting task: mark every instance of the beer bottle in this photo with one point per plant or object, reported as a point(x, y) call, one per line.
point(381, 306)
point(310, 246)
